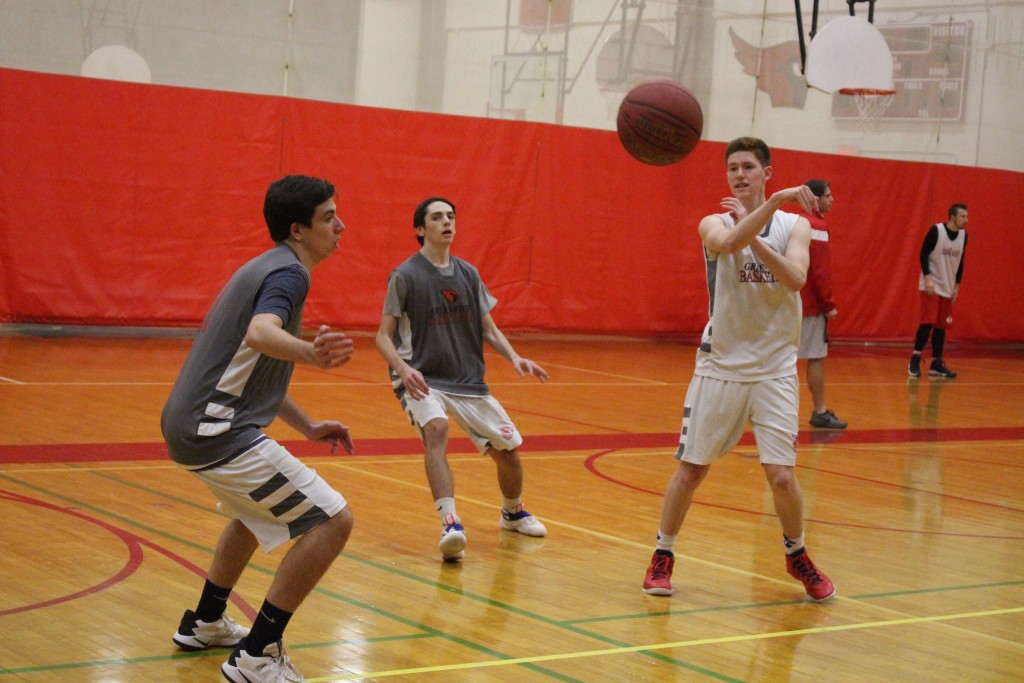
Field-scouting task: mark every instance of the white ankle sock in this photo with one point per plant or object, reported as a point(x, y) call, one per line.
point(793, 545)
point(665, 542)
point(445, 507)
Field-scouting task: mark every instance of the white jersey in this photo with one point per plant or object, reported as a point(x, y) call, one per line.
point(754, 326)
point(944, 261)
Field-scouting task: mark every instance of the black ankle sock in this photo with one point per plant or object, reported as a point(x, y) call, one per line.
point(212, 602)
point(266, 629)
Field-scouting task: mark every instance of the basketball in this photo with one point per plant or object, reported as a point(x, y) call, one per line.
point(660, 122)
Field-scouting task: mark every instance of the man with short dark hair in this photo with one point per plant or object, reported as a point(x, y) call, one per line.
point(942, 268)
point(818, 307)
point(435, 321)
point(233, 384)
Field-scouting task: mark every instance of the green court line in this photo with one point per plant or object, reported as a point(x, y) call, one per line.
point(937, 589)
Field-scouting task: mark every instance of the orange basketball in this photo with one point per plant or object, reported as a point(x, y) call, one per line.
point(660, 122)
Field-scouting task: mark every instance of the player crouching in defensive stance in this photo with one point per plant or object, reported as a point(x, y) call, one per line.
point(233, 384)
point(757, 259)
point(436, 318)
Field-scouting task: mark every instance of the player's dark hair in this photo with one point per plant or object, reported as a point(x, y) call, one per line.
point(748, 144)
point(293, 199)
point(955, 209)
point(818, 187)
point(419, 215)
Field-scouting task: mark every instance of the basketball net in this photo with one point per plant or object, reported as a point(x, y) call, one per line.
point(871, 105)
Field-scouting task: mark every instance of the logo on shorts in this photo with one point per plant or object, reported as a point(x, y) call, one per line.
point(507, 432)
point(450, 294)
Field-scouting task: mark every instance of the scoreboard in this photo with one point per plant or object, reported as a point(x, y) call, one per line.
point(929, 73)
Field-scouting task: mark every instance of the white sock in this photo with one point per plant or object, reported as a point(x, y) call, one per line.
point(445, 507)
point(512, 505)
point(665, 542)
point(793, 545)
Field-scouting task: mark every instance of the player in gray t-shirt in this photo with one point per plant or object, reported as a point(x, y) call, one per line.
point(233, 384)
point(436, 318)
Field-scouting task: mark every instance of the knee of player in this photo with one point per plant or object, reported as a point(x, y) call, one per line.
point(435, 430)
point(509, 456)
point(781, 478)
point(343, 522)
point(691, 475)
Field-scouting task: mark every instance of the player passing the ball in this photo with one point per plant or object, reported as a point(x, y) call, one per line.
point(757, 260)
point(233, 384)
point(436, 318)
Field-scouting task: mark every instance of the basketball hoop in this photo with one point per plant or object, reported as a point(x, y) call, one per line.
point(849, 56)
point(871, 104)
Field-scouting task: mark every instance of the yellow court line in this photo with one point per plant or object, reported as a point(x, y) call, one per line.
point(665, 646)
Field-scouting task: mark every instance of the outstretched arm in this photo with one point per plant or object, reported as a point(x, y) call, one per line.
point(494, 337)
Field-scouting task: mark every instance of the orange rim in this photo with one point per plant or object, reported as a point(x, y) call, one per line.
point(866, 91)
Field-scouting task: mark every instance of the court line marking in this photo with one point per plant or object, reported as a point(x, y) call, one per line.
point(535, 616)
point(678, 644)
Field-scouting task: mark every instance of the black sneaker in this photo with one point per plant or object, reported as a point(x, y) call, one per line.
point(826, 420)
point(915, 365)
point(939, 369)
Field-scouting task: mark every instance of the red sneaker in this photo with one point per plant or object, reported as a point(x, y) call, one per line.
point(658, 580)
point(800, 567)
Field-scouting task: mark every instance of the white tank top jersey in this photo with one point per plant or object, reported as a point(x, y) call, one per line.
point(754, 326)
point(944, 261)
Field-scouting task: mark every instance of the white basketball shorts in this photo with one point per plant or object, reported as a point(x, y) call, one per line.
point(272, 492)
point(716, 411)
point(481, 417)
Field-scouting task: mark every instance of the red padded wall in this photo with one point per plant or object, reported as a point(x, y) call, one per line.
point(128, 204)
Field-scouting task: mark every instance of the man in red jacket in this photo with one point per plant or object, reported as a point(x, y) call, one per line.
point(819, 308)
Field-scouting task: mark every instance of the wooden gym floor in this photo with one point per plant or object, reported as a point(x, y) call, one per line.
point(916, 512)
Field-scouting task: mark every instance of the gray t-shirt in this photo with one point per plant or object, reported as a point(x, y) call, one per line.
point(439, 329)
point(226, 392)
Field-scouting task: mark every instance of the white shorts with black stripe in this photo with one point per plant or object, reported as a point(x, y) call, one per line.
point(481, 417)
point(716, 411)
point(272, 492)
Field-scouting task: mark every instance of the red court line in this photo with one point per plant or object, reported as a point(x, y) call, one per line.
point(88, 452)
point(134, 544)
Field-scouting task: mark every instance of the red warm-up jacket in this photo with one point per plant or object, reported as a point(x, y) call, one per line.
point(816, 294)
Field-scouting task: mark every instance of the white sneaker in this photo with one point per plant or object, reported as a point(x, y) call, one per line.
point(194, 634)
point(453, 539)
point(273, 667)
point(523, 522)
